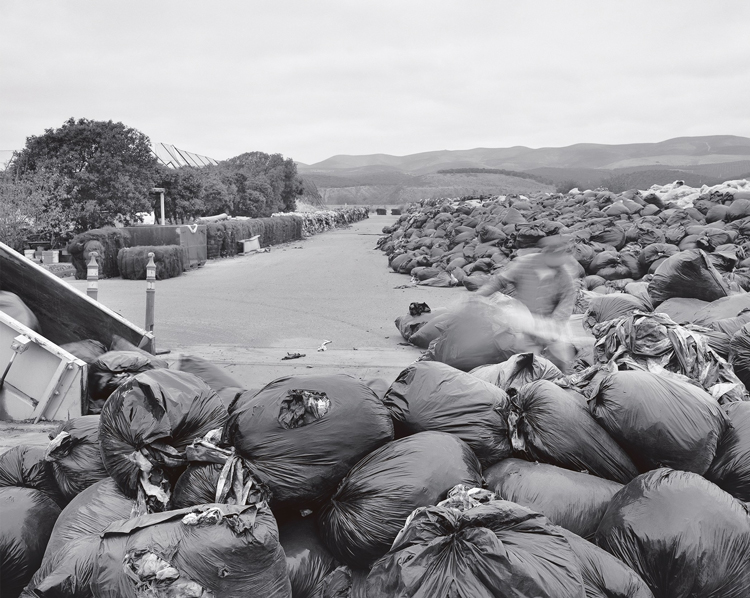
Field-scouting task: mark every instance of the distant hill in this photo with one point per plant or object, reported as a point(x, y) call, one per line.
point(696, 160)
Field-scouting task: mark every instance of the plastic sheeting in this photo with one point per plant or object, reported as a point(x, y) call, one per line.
point(301, 434)
point(660, 421)
point(24, 467)
point(434, 396)
point(360, 522)
point(573, 500)
point(684, 536)
point(553, 425)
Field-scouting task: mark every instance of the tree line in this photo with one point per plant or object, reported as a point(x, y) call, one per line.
point(88, 174)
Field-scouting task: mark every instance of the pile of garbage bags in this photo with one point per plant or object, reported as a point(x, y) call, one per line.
point(675, 234)
point(321, 221)
point(487, 468)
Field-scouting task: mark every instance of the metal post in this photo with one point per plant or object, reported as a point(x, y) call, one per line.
point(92, 276)
point(150, 292)
point(162, 208)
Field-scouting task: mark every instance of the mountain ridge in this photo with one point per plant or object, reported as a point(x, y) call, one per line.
point(678, 151)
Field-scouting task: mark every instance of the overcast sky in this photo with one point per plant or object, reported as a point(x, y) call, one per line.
point(311, 79)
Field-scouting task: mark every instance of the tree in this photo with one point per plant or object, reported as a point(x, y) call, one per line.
point(184, 192)
point(30, 207)
point(108, 169)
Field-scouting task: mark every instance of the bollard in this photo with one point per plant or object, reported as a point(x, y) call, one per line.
point(150, 292)
point(92, 276)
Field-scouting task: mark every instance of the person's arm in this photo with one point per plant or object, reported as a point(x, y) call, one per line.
point(501, 281)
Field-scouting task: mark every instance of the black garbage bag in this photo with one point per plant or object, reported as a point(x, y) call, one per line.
point(731, 325)
point(308, 561)
point(655, 252)
point(218, 379)
point(67, 573)
point(26, 520)
point(553, 425)
point(683, 535)
point(212, 550)
point(479, 332)
point(75, 455)
point(603, 575)
point(87, 350)
point(301, 434)
point(573, 500)
point(370, 506)
point(24, 467)
point(90, 513)
point(432, 328)
point(727, 307)
point(739, 354)
point(433, 396)
point(111, 370)
point(660, 421)
point(408, 325)
point(495, 549)
point(611, 265)
point(611, 307)
point(147, 424)
point(681, 310)
point(730, 469)
point(520, 369)
point(687, 274)
point(13, 305)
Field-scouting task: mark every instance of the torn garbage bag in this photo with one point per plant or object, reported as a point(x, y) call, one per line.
point(553, 425)
point(573, 500)
point(520, 369)
point(75, 455)
point(210, 551)
point(654, 343)
point(363, 517)
point(730, 469)
point(660, 421)
point(26, 520)
point(147, 424)
point(434, 396)
point(301, 434)
point(683, 535)
point(493, 549)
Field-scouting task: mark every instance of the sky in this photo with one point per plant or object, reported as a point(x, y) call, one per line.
point(315, 78)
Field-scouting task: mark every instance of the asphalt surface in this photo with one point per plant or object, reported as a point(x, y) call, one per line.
point(247, 312)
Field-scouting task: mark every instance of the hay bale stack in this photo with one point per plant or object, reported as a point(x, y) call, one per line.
point(170, 260)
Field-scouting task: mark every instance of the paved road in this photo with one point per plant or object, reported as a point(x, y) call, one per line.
point(247, 312)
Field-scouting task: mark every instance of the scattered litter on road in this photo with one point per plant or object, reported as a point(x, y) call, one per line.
point(293, 356)
point(323, 346)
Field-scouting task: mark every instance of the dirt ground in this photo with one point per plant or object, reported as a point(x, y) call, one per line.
point(246, 313)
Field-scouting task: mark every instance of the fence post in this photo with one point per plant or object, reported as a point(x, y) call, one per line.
point(92, 276)
point(150, 292)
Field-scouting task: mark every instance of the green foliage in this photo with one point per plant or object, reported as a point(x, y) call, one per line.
point(515, 173)
point(253, 184)
point(30, 208)
point(170, 261)
point(106, 170)
point(107, 242)
point(222, 237)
